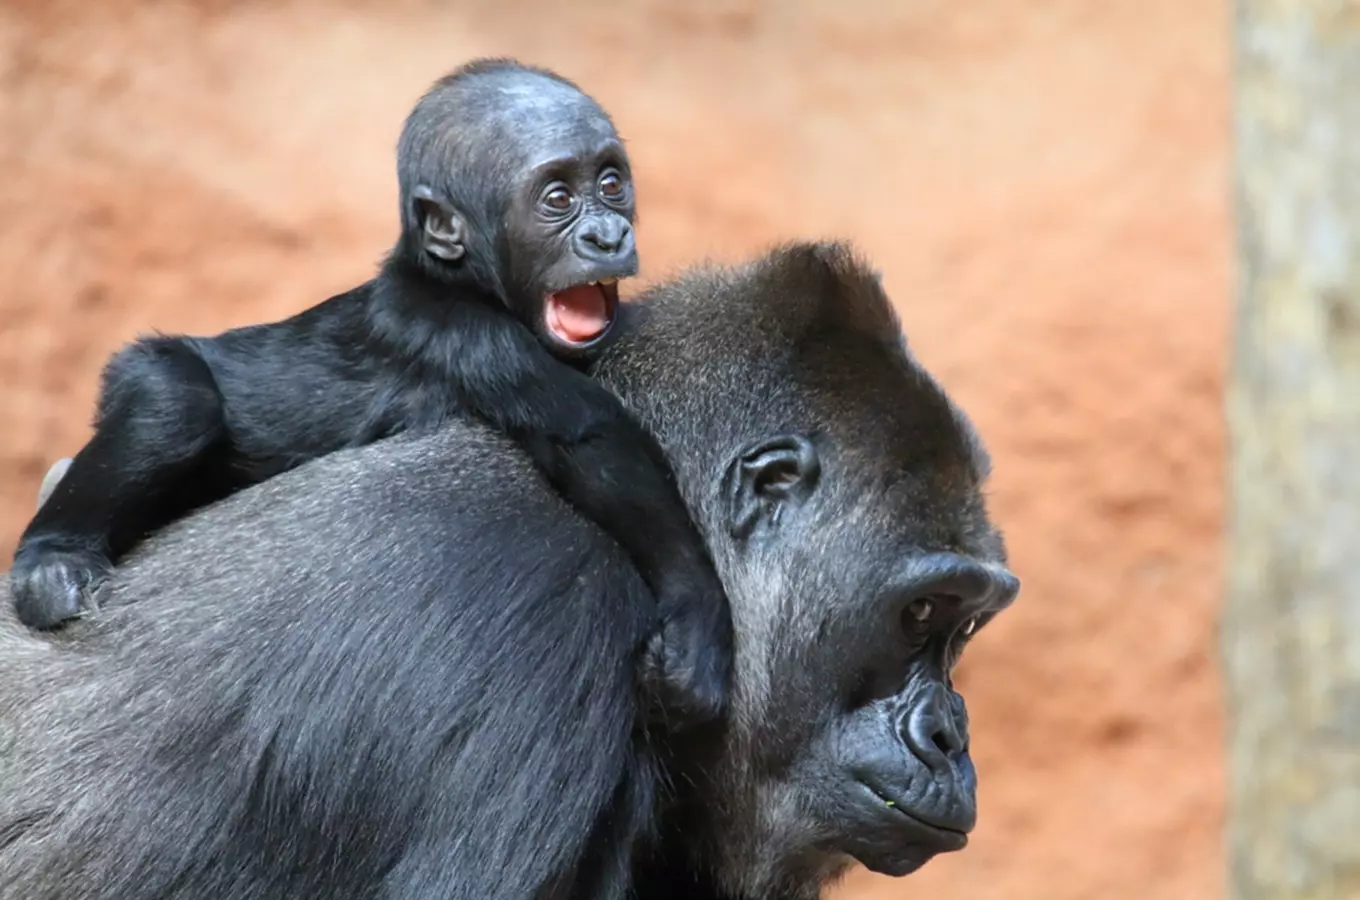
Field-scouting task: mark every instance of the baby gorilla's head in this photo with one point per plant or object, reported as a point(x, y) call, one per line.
point(514, 181)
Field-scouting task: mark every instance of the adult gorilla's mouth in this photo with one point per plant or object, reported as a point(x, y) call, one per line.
point(582, 314)
point(948, 836)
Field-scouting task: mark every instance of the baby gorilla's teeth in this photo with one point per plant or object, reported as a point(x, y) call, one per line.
point(608, 281)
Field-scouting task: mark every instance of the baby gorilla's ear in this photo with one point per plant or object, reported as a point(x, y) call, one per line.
point(441, 227)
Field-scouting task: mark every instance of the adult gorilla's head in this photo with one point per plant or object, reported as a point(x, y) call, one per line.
point(406, 670)
point(841, 491)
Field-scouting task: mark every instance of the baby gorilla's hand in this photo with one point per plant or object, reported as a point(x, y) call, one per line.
point(50, 586)
point(687, 670)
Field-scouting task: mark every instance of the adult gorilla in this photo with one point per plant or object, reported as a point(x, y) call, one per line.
point(405, 671)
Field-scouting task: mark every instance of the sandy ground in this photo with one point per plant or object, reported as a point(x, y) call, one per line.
point(1043, 185)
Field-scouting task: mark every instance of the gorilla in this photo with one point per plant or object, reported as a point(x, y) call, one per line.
point(517, 209)
point(406, 670)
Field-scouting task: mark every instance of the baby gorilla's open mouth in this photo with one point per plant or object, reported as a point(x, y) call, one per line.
point(581, 314)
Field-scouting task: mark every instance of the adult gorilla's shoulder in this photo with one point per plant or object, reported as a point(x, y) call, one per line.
point(273, 730)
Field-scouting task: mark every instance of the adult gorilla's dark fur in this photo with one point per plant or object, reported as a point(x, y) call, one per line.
point(446, 706)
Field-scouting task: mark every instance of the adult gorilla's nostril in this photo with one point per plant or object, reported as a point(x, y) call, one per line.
point(950, 738)
point(935, 735)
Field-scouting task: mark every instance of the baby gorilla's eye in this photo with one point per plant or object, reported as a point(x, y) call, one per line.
point(559, 199)
point(921, 609)
point(611, 186)
point(970, 626)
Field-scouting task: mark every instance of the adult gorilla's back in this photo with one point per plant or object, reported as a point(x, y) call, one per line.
point(407, 671)
point(303, 665)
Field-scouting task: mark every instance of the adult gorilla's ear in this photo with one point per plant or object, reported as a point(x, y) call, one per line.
point(441, 227)
point(767, 478)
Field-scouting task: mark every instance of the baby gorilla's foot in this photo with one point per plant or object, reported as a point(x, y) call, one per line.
point(52, 479)
point(52, 586)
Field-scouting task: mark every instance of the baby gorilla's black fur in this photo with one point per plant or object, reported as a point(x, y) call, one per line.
point(515, 190)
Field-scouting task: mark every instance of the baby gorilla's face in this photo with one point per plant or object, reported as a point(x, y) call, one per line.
point(570, 233)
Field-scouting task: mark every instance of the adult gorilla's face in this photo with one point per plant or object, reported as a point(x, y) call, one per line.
point(849, 739)
point(860, 561)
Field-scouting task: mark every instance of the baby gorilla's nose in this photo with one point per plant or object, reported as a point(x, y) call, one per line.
point(604, 238)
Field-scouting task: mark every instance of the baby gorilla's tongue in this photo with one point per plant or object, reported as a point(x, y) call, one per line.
point(578, 314)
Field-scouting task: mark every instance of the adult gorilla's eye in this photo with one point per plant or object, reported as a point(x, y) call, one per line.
point(921, 609)
point(611, 186)
point(558, 199)
point(970, 626)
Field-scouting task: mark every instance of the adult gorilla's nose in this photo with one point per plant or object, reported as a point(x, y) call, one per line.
point(932, 729)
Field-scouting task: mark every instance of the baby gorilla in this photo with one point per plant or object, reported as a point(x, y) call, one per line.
point(517, 210)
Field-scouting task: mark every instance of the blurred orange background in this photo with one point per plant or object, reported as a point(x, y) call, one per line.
point(1043, 184)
